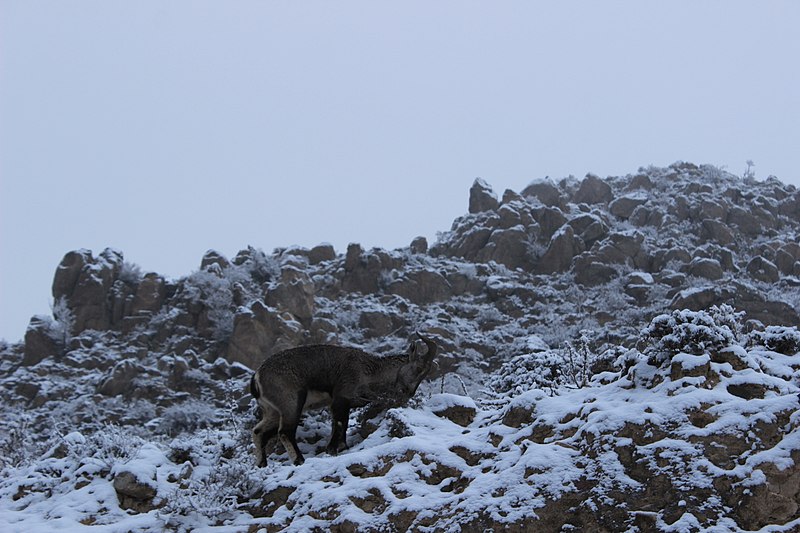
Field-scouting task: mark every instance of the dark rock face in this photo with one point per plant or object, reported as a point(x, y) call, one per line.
point(133, 493)
point(545, 192)
point(84, 281)
point(563, 247)
point(482, 198)
point(40, 342)
point(593, 190)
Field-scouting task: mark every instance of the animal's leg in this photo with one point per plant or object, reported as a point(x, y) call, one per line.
point(340, 412)
point(265, 430)
point(287, 432)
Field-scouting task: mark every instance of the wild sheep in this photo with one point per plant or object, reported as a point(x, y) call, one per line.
point(310, 377)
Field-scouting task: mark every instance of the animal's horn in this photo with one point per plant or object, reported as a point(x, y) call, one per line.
point(432, 348)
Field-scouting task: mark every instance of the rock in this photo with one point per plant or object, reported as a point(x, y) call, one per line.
point(362, 271)
point(716, 231)
point(711, 210)
point(84, 283)
point(550, 219)
point(260, 331)
point(744, 221)
point(135, 492)
point(593, 190)
point(321, 253)
point(150, 295)
point(589, 271)
point(640, 181)
point(421, 287)
point(624, 248)
point(68, 272)
point(293, 294)
point(624, 206)
point(645, 216)
point(458, 409)
point(213, 257)
point(784, 262)
point(563, 247)
point(695, 299)
point(763, 270)
point(705, 268)
point(590, 228)
point(120, 380)
point(545, 192)
point(481, 197)
point(509, 247)
point(419, 246)
point(379, 323)
point(40, 342)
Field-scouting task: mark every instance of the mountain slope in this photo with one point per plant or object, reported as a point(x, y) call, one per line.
point(616, 353)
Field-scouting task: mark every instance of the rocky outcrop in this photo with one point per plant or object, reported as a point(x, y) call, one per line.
point(481, 197)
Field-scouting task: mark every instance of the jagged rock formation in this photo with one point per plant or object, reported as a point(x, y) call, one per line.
point(522, 279)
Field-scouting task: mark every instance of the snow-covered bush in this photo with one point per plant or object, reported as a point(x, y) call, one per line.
point(572, 366)
point(781, 339)
point(212, 289)
point(186, 417)
point(222, 474)
point(693, 332)
point(63, 321)
point(538, 370)
point(130, 273)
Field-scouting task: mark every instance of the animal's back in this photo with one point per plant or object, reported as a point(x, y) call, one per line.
point(318, 367)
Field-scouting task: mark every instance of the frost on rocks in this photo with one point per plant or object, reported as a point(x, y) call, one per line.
point(617, 354)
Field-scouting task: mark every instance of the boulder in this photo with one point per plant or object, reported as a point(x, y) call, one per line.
point(717, 232)
point(120, 378)
point(640, 181)
point(707, 268)
point(695, 299)
point(379, 323)
point(624, 206)
point(646, 216)
point(260, 331)
point(545, 192)
point(744, 221)
point(136, 490)
point(40, 342)
point(563, 247)
point(150, 295)
point(482, 197)
point(68, 272)
point(550, 219)
point(593, 190)
point(589, 271)
point(89, 299)
point(590, 228)
point(763, 270)
point(421, 287)
point(419, 246)
point(321, 253)
point(362, 271)
point(294, 293)
point(213, 257)
point(510, 247)
point(624, 248)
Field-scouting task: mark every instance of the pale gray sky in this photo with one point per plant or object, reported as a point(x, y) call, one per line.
point(168, 128)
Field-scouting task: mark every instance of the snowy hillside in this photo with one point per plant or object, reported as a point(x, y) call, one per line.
point(616, 354)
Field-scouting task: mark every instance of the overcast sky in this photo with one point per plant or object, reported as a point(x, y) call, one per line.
point(168, 128)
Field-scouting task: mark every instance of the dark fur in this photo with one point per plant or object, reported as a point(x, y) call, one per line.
point(310, 377)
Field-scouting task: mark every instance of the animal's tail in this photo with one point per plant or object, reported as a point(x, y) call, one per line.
point(255, 391)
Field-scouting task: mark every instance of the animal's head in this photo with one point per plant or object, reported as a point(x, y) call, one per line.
point(413, 371)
